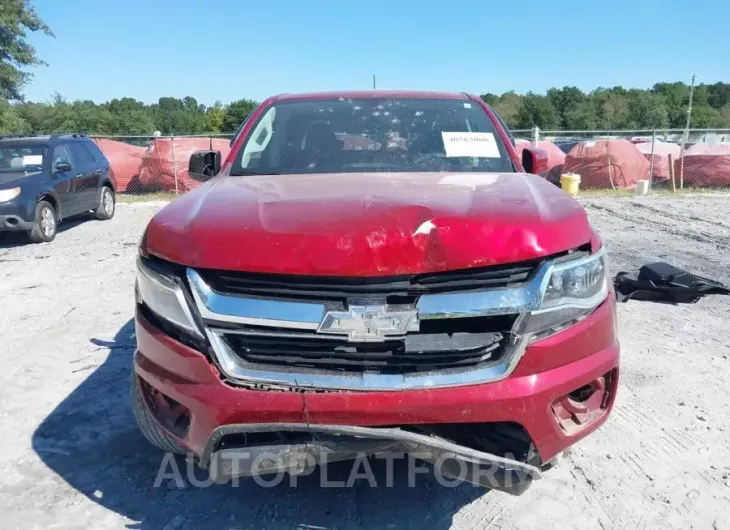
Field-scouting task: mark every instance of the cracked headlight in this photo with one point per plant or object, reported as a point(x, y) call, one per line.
point(164, 296)
point(574, 289)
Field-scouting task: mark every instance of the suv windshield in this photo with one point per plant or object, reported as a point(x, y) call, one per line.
point(379, 134)
point(19, 157)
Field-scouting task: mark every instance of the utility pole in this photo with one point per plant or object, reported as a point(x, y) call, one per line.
point(686, 131)
point(373, 81)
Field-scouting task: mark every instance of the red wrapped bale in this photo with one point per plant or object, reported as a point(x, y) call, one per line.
point(606, 164)
point(662, 150)
point(166, 159)
point(705, 166)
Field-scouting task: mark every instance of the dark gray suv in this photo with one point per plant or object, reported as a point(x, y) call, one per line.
point(46, 179)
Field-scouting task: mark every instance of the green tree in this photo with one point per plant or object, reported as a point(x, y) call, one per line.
point(490, 99)
point(214, 117)
point(11, 121)
point(190, 104)
point(508, 107)
point(583, 116)
point(133, 122)
point(565, 100)
point(17, 18)
point(537, 110)
point(34, 115)
point(236, 112)
point(613, 107)
point(177, 116)
point(705, 117)
point(167, 104)
point(725, 116)
point(676, 98)
point(718, 95)
point(701, 95)
point(117, 106)
point(646, 110)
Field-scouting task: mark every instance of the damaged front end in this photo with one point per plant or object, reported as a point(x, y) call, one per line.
point(261, 449)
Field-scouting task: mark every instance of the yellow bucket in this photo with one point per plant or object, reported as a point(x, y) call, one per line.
point(570, 183)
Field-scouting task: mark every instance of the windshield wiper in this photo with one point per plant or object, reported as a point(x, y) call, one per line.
point(249, 173)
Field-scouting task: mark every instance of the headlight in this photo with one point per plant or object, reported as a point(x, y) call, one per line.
point(574, 288)
point(9, 195)
point(165, 297)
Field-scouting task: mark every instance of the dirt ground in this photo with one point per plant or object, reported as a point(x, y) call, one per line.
point(73, 458)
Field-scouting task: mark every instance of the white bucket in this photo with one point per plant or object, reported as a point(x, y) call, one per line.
point(642, 187)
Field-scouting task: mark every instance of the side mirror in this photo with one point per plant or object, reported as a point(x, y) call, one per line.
point(535, 161)
point(61, 167)
point(204, 165)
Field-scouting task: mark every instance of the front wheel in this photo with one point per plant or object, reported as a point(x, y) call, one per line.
point(45, 224)
point(107, 204)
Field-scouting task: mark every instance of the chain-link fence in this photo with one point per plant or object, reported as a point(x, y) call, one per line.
point(613, 160)
point(157, 164)
point(620, 159)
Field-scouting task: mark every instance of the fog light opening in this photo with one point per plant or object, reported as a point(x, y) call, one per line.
point(583, 394)
point(172, 415)
point(581, 407)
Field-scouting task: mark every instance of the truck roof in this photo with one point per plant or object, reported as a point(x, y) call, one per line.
point(363, 94)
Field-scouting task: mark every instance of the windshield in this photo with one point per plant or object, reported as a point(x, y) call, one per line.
point(379, 135)
point(19, 157)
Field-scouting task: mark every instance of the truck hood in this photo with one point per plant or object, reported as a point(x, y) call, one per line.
point(367, 224)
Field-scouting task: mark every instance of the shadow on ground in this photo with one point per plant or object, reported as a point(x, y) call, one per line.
point(19, 239)
point(92, 442)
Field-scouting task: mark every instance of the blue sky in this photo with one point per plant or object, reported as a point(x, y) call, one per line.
point(227, 49)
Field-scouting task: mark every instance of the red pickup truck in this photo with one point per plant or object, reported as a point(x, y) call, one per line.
point(420, 291)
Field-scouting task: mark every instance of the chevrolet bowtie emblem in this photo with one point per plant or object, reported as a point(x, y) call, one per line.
point(374, 323)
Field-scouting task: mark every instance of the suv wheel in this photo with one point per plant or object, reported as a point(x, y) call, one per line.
point(45, 225)
point(107, 204)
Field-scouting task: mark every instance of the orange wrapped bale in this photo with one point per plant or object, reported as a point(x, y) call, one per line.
point(124, 159)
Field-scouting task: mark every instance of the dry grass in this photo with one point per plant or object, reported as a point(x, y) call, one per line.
point(659, 192)
point(145, 197)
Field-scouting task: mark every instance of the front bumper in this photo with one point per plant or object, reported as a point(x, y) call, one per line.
point(331, 443)
point(14, 216)
point(533, 396)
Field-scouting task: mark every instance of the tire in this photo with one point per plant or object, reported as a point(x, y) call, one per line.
point(146, 423)
point(45, 225)
point(107, 204)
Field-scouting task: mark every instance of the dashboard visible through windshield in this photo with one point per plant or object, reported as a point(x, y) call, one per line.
point(372, 135)
point(21, 157)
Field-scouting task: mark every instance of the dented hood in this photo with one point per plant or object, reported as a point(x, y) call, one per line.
point(367, 224)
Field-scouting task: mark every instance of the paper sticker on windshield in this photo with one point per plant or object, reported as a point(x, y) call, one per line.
point(33, 160)
point(471, 144)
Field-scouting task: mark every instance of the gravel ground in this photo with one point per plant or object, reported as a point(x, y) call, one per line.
point(73, 457)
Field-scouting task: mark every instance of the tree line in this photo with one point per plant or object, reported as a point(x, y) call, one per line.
point(662, 106)
point(125, 116)
point(568, 108)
